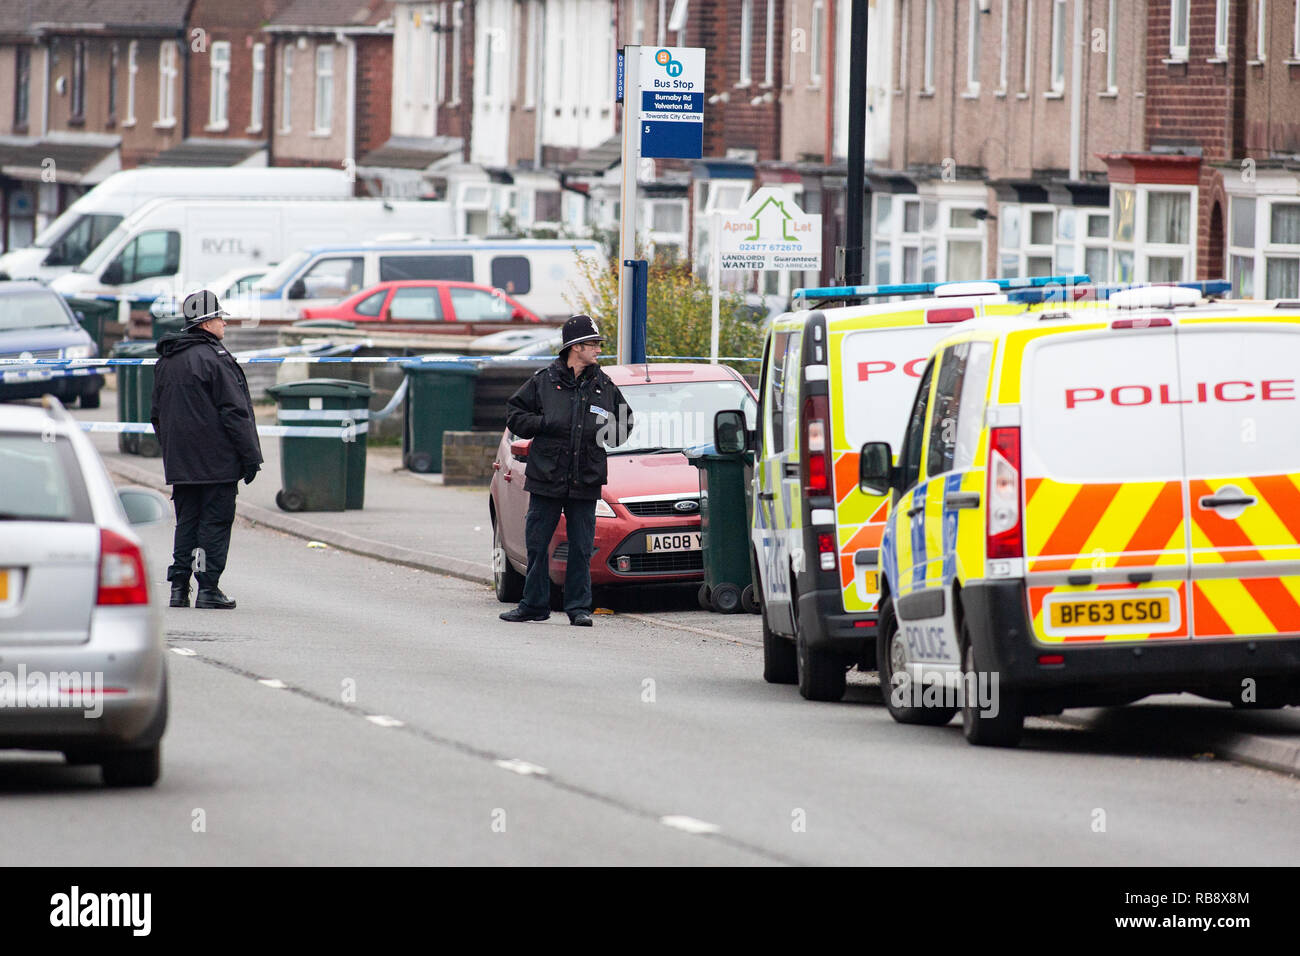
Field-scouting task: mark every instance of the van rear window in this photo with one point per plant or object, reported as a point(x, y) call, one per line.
point(881, 369)
point(511, 274)
point(456, 268)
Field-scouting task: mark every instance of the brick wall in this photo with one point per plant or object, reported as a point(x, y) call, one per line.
point(467, 457)
point(374, 116)
point(736, 124)
point(1188, 104)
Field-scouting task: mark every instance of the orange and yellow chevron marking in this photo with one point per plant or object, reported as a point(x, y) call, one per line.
point(846, 474)
point(1240, 607)
point(1073, 526)
point(1268, 529)
point(1037, 595)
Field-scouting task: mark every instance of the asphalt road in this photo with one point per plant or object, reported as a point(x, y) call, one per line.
point(548, 744)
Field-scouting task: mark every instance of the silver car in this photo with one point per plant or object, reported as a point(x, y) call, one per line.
point(81, 645)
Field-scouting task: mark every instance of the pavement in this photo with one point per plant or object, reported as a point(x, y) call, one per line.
point(414, 520)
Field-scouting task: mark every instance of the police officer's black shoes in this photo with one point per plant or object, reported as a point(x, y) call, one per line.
point(580, 619)
point(517, 614)
point(212, 597)
point(181, 595)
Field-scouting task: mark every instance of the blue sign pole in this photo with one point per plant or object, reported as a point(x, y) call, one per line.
point(640, 283)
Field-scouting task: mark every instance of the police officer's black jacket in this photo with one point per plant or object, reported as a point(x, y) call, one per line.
point(202, 411)
point(568, 418)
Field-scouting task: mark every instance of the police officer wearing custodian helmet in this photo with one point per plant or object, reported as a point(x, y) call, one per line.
point(572, 411)
point(203, 416)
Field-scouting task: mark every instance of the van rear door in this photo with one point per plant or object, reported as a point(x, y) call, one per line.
point(1241, 420)
point(1102, 466)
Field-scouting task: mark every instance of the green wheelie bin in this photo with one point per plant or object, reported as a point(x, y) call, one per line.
point(135, 396)
point(323, 473)
point(439, 398)
point(724, 526)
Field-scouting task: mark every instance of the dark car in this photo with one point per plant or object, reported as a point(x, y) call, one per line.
point(36, 323)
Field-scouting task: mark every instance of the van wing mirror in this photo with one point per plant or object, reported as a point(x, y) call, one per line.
point(112, 274)
point(298, 290)
point(729, 434)
point(876, 468)
point(519, 448)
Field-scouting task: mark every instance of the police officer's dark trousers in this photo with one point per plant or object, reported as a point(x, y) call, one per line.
point(580, 528)
point(204, 515)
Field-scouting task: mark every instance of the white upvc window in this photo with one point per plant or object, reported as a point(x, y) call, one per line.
point(440, 71)
point(1179, 12)
point(677, 20)
point(1027, 70)
point(1264, 246)
point(1261, 30)
point(1039, 239)
point(132, 68)
point(1112, 50)
point(429, 61)
point(219, 85)
point(638, 22)
point(927, 76)
point(1058, 45)
point(167, 56)
point(769, 45)
point(746, 41)
point(817, 44)
point(1295, 33)
point(324, 88)
point(259, 88)
point(535, 52)
point(973, 49)
point(456, 25)
point(661, 23)
point(1002, 52)
point(904, 9)
point(1221, 29)
point(286, 89)
point(1152, 233)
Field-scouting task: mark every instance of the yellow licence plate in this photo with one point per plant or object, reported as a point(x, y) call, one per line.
point(1113, 611)
point(871, 582)
point(4, 586)
point(672, 541)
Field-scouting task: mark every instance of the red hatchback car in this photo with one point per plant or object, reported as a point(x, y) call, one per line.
point(647, 521)
point(429, 305)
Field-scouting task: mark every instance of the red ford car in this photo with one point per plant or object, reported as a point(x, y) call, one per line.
point(429, 305)
point(648, 521)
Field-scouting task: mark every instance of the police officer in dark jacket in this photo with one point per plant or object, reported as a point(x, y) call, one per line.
point(203, 416)
point(572, 411)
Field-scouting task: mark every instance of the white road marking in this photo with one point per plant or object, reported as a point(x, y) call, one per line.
point(522, 767)
point(272, 682)
point(183, 651)
point(689, 824)
point(383, 720)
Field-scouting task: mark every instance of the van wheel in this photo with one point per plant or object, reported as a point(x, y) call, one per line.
point(507, 582)
point(891, 658)
point(780, 664)
point(132, 768)
point(822, 674)
point(981, 729)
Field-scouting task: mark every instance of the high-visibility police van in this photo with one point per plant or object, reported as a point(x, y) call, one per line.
point(831, 379)
point(1091, 505)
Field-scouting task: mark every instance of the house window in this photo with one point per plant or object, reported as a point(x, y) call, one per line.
point(77, 106)
point(324, 88)
point(903, 11)
point(112, 83)
point(218, 85)
point(1178, 14)
point(440, 93)
point(132, 68)
point(259, 88)
point(429, 59)
point(746, 41)
point(455, 52)
point(816, 45)
point(973, 49)
point(22, 85)
point(167, 83)
point(1058, 45)
point(677, 20)
point(1112, 37)
point(1221, 29)
point(927, 77)
point(1261, 32)
point(1282, 271)
point(1027, 75)
point(1002, 53)
point(286, 90)
point(769, 48)
point(535, 53)
point(1152, 234)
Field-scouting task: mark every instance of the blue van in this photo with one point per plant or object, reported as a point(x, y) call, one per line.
point(36, 322)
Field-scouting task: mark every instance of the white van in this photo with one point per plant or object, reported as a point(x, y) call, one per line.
point(170, 245)
point(65, 243)
point(538, 273)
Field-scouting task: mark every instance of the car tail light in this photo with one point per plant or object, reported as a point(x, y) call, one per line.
point(826, 550)
point(1004, 527)
point(959, 314)
point(816, 443)
point(121, 571)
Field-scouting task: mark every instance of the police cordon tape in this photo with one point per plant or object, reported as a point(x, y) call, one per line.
point(346, 432)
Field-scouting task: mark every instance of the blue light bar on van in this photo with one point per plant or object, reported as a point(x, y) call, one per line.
point(1212, 287)
point(924, 288)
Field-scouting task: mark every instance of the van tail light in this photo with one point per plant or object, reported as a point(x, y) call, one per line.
point(817, 446)
point(826, 551)
point(1005, 539)
point(121, 571)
